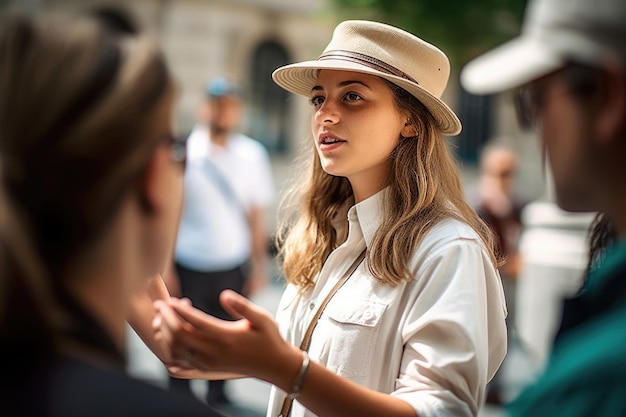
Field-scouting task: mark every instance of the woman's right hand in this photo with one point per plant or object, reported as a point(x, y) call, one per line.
point(251, 345)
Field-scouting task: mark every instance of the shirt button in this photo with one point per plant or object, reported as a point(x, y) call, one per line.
point(312, 305)
point(368, 315)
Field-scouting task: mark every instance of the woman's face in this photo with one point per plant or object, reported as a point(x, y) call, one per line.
point(356, 125)
point(169, 181)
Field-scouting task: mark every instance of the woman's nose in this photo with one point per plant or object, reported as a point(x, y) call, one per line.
point(327, 113)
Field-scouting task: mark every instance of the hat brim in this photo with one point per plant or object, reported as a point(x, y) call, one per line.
point(300, 78)
point(510, 65)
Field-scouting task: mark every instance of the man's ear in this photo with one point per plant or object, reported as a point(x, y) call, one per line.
point(151, 181)
point(611, 116)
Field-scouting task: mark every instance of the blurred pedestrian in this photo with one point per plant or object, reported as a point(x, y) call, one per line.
point(223, 238)
point(91, 192)
point(393, 306)
point(571, 63)
point(500, 207)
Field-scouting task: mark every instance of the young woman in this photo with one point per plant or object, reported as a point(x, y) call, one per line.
point(91, 194)
point(418, 327)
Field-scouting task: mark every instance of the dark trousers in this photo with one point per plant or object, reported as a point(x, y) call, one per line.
point(203, 289)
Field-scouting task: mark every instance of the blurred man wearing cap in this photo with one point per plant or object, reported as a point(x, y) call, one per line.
point(571, 64)
point(222, 242)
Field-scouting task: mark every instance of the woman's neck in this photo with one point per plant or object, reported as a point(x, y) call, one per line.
point(106, 304)
point(364, 189)
point(219, 137)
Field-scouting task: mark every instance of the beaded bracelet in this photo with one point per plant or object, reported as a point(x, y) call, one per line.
point(296, 390)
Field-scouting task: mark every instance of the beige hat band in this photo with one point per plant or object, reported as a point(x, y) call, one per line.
point(368, 61)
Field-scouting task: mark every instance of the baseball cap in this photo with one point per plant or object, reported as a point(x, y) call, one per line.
point(554, 33)
point(222, 86)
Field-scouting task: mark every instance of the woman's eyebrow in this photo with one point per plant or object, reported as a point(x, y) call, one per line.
point(342, 84)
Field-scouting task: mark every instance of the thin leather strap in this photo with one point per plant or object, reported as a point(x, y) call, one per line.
point(306, 340)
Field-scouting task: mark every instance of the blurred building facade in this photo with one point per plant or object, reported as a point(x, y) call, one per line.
point(243, 39)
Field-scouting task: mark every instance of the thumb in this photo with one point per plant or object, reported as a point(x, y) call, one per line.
point(240, 307)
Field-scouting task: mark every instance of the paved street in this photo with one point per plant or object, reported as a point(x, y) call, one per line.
point(250, 395)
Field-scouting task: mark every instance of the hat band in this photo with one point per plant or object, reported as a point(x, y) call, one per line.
point(368, 61)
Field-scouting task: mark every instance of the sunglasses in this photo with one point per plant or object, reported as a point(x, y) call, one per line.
point(579, 80)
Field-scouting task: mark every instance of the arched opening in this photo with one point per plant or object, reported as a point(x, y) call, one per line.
point(269, 110)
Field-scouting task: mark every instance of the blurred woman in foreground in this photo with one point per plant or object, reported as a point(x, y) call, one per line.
point(91, 193)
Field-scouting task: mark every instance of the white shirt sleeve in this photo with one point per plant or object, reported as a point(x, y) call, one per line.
point(454, 334)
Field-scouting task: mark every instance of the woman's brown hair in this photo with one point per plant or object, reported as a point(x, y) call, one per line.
point(424, 188)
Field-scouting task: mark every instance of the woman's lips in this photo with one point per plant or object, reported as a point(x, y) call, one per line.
point(328, 142)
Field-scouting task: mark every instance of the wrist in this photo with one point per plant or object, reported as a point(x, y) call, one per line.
point(295, 388)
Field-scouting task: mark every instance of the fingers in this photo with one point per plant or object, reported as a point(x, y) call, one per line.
point(196, 318)
point(194, 337)
point(204, 342)
point(225, 301)
point(166, 325)
point(156, 326)
point(239, 306)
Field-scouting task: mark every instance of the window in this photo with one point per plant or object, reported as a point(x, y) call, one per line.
point(475, 113)
point(269, 109)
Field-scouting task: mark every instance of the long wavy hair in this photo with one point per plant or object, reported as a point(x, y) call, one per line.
point(76, 130)
point(424, 188)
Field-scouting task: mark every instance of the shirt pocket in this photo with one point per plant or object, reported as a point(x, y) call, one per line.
point(354, 332)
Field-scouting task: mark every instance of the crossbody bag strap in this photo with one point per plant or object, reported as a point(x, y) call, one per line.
point(225, 187)
point(306, 340)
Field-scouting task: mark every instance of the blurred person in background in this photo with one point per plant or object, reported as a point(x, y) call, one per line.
point(570, 62)
point(223, 237)
point(92, 191)
point(499, 206)
point(393, 305)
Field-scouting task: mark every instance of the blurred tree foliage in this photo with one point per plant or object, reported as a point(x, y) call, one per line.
point(462, 28)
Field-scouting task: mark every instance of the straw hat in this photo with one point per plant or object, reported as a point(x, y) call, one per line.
point(388, 52)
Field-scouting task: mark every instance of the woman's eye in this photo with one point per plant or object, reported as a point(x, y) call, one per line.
point(353, 97)
point(317, 100)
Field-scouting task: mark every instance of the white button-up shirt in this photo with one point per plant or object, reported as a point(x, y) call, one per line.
point(434, 342)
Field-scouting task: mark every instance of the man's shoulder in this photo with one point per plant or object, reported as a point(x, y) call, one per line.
point(594, 349)
point(586, 374)
point(242, 139)
point(246, 146)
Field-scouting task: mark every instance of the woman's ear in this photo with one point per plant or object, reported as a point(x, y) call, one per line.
point(611, 111)
point(408, 131)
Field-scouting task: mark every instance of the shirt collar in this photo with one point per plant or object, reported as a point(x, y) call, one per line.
point(365, 215)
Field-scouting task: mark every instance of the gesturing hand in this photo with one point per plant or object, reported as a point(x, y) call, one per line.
point(251, 345)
